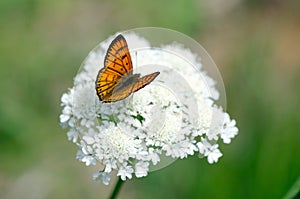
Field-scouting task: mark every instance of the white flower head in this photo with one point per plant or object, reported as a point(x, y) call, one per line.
point(125, 171)
point(103, 177)
point(141, 169)
point(175, 116)
point(209, 150)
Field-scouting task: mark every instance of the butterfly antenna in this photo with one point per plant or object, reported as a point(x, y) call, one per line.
point(136, 59)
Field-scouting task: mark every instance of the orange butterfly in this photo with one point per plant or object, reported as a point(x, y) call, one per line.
point(115, 81)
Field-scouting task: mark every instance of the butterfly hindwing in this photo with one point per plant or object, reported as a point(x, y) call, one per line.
point(105, 83)
point(116, 96)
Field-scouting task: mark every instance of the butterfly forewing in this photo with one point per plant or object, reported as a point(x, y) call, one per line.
point(117, 63)
point(117, 68)
point(143, 81)
point(137, 84)
point(118, 58)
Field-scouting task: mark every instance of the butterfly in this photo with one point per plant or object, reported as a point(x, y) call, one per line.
point(116, 81)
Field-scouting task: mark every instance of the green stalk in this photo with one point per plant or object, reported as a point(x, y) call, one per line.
point(116, 189)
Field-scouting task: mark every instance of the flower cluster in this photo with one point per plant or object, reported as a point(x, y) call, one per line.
point(174, 116)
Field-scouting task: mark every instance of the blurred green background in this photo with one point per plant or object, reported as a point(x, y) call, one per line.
point(255, 44)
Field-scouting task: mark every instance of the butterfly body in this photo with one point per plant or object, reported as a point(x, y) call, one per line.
point(116, 80)
point(127, 81)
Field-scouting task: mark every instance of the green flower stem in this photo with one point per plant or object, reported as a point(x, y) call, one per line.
point(116, 189)
point(294, 192)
